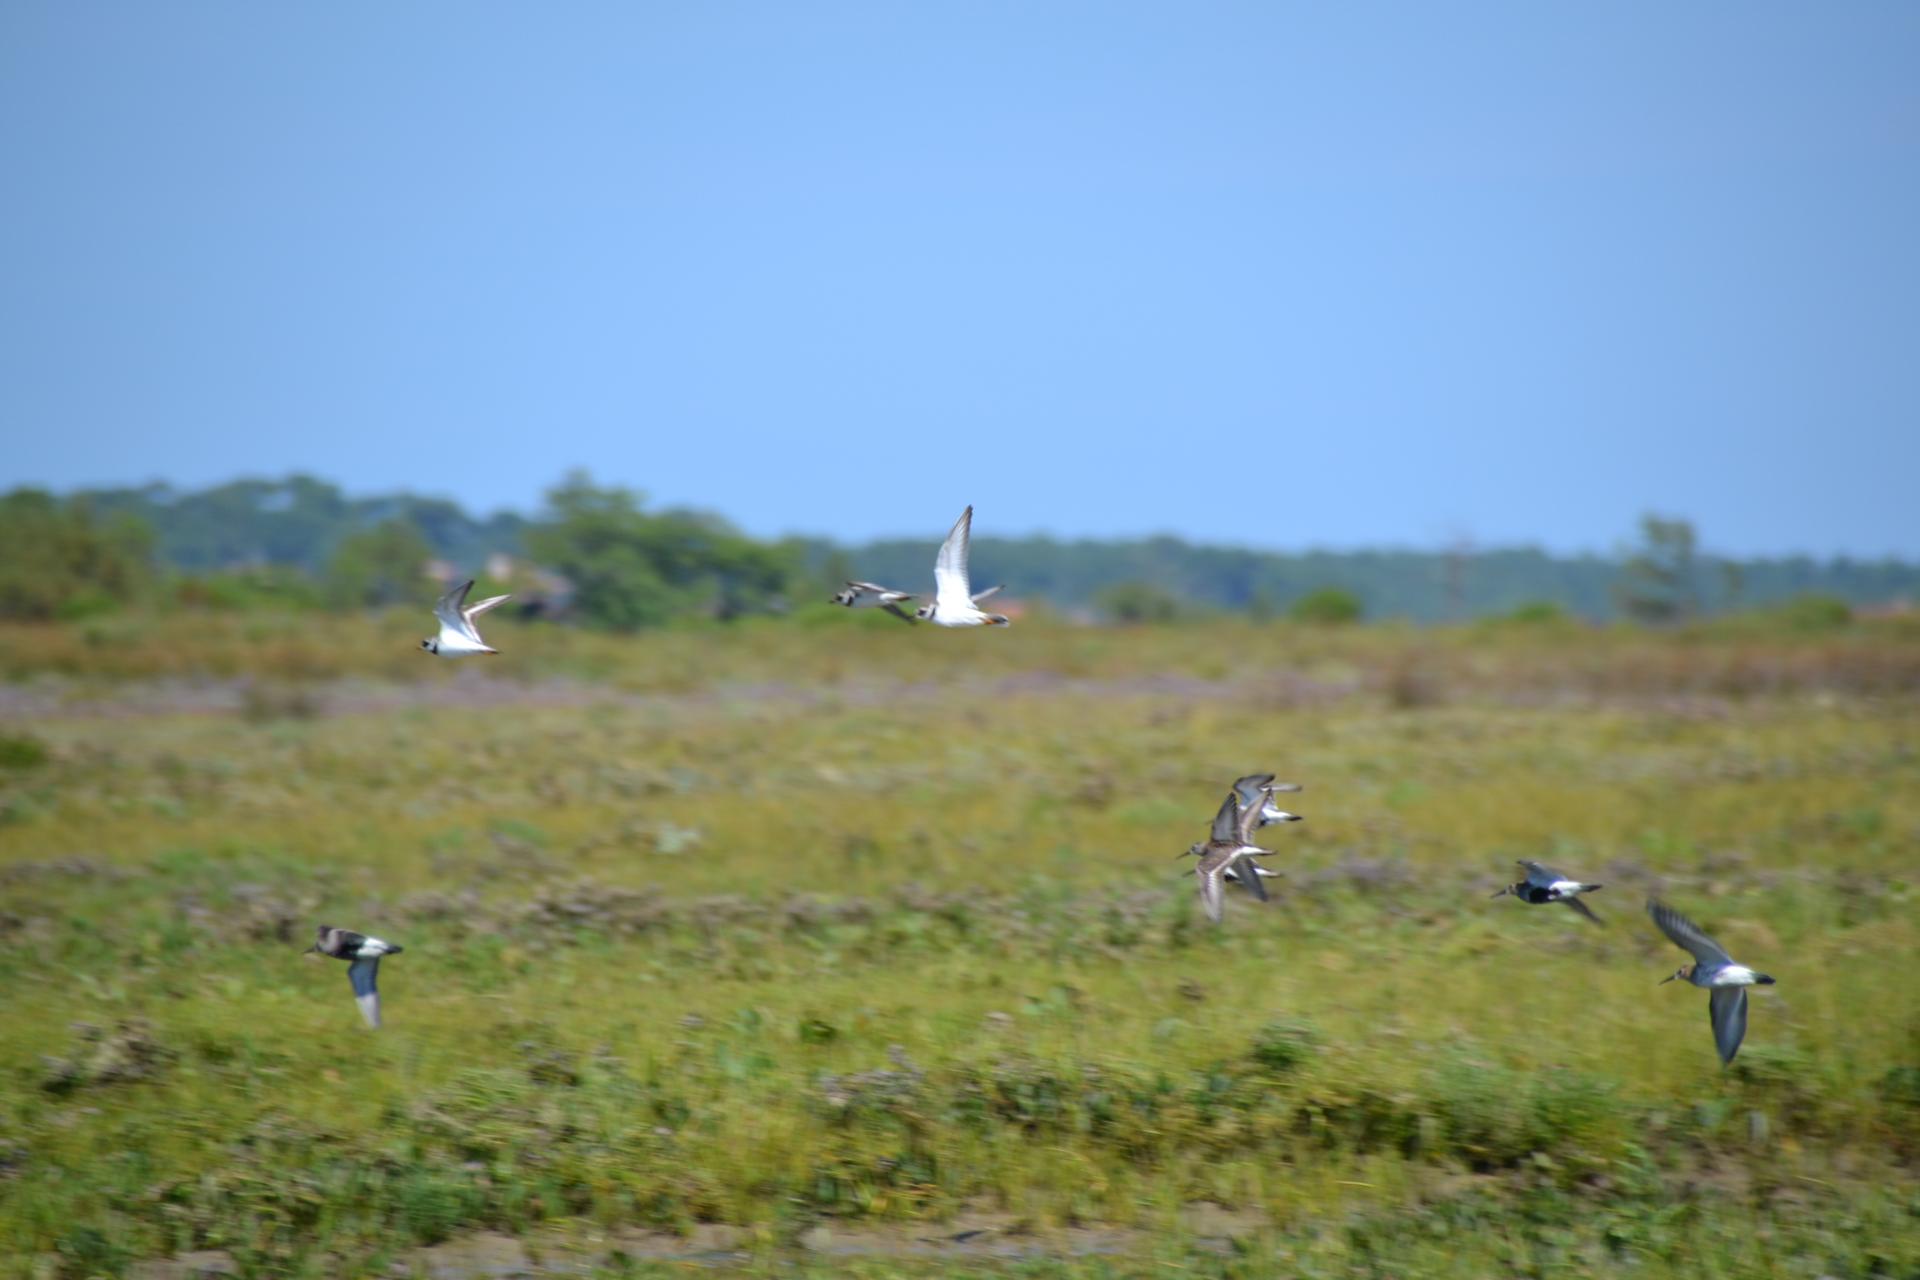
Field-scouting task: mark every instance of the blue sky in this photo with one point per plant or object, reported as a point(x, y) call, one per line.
point(1266, 274)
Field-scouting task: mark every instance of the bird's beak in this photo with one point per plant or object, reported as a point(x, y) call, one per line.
point(1499, 893)
point(1664, 981)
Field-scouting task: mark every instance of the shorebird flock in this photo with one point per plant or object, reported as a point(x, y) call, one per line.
point(1227, 856)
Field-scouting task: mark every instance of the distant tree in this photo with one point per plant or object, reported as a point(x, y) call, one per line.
point(632, 568)
point(1331, 605)
point(1137, 602)
point(378, 566)
point(1659, 582)
point(59, 560)
point(1733, 584)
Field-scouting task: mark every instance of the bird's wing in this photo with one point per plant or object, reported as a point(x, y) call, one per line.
point(1250, 817)
point(1540, 875)
point(950, 568)
point(1727, 1006)
point(993, 590)
point(1581, 907)
point(473, 611)
point(1211, 870)
point(868, 588)
point(1249, 788)
point(1226, 823)
point(899, 613)
point(1688, 935)
point(363, 974)
point(1249, 877)
point(448, 610)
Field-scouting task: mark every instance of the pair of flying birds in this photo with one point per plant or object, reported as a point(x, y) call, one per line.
point(1712, 967)
point(954, 603)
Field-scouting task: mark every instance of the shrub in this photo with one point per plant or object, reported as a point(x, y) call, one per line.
point(1327, 606)
point(1815, 613)
point(1137, 602)
point(21, 751)
point(1284, 1045)
point(1535, 613)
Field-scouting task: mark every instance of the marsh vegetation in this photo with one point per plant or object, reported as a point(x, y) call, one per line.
point(794, 932)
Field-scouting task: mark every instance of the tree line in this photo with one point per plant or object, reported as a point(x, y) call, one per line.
point(603, 555)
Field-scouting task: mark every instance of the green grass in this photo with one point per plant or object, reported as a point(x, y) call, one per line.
point(880, 929)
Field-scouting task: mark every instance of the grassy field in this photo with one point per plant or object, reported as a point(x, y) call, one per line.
point(837, 948)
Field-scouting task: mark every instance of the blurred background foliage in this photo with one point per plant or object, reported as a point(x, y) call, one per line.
point(600, 555)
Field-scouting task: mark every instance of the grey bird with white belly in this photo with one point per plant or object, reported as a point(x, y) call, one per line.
point(363, 968)
point(1715, 970)
point(1544, 884)
point(871, 595)
point(458, 636)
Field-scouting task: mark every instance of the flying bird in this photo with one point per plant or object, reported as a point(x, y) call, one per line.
point(1253, 797)
point(1257, 790)
point(1544, 884)
point(458, 636)
point(1227, 850)
point(869, 595)
point(1715, 970)
point(363, 970)
point(953, 603)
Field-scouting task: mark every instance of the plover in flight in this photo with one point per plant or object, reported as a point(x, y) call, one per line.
point(953, 600)
point(458, 636)
point(868, 595)
point(1544, 884)
point(1228, 849)
point(1715, 970)
point(363, 970)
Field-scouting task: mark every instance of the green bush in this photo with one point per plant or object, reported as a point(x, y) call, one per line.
point(1815, 613)
point(1134, 603)
point(58, 561)
point(1536, 613)
point(379, 566)
point(1327, 606)
point(21, 751)
point(631, 568)
point(1284, 1046)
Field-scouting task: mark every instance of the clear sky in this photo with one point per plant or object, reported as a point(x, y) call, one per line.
point(1268, 274)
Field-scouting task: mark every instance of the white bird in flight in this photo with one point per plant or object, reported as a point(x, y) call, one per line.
point(954, 604)
point(458, 636)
